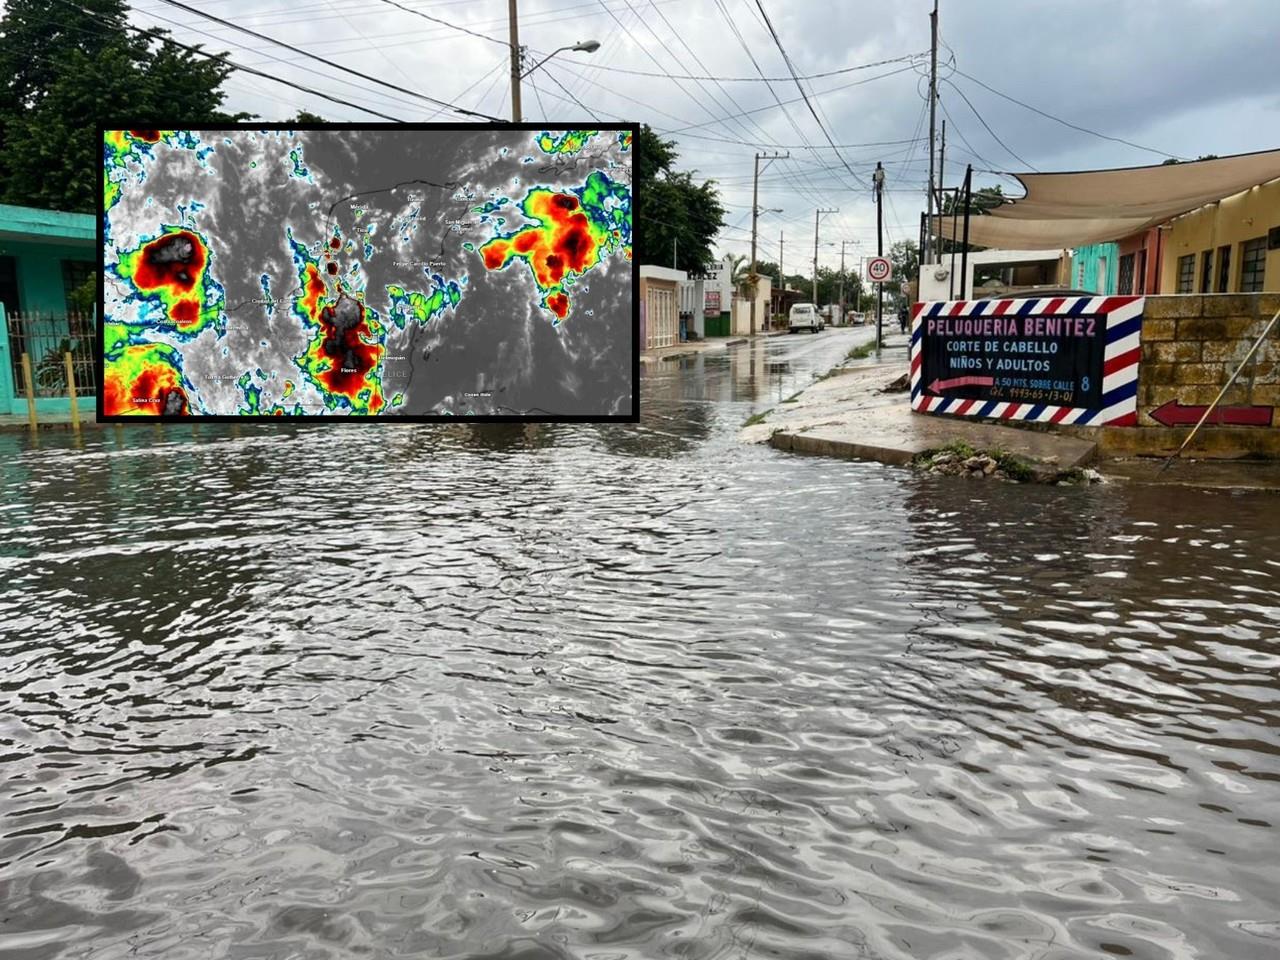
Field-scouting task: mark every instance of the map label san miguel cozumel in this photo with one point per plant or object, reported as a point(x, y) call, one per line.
point(1048, 359)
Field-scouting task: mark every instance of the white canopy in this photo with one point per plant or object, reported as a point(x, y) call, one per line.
point(1072, 209)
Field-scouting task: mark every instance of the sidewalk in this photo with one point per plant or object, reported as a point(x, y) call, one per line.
point(14, 422)
point(690, 348)
point(849, 415)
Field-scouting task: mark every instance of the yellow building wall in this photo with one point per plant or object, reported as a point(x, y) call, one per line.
point(1233, 221)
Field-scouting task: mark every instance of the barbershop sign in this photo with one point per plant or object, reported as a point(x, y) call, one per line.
point(1052, 359)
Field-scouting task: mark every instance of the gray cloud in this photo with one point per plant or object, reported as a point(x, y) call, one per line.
point(1184, 76)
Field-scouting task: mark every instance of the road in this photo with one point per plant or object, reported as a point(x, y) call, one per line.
point(560, 691)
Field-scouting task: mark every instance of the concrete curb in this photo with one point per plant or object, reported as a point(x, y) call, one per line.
point(844, 449)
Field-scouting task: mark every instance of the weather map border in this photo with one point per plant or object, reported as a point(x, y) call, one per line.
point(535, 128)
point(1121, 357)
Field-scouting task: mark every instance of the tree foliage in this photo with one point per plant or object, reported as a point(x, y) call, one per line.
point(674, 212)
point(905, 257)
point(61, 63)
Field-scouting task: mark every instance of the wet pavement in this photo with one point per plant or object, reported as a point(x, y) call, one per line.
point(622, 692)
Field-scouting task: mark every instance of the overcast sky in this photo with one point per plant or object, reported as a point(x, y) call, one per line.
point(1181, 77)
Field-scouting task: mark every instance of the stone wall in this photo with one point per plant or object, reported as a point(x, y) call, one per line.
point(1191, 344)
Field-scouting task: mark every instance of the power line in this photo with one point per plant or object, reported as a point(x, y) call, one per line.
point(1067, 123)
point(337, 66)
point(799, 86)
point(997, 139)
point(762, 79)
point(446, 23)
point(236, 66)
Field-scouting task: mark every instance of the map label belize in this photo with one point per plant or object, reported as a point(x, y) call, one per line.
point(392, 271)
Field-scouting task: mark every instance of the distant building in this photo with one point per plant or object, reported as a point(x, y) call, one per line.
point(44, 256)
point(660, 306)
point(1095, 268)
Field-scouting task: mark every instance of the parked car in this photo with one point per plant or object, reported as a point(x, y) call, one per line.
point(804, 316)
point(858, 317)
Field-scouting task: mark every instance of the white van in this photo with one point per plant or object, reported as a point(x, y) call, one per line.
point(804, 316)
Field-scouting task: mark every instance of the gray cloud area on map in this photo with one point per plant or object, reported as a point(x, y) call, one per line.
point(496, 352)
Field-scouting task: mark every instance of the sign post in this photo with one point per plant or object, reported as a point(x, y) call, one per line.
point(879, 269)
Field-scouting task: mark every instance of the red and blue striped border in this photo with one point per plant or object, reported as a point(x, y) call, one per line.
point(1122, 319)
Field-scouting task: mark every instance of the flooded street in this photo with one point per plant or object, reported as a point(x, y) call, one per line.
point(615, 692)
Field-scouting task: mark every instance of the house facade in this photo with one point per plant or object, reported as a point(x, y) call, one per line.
point(660, 306)
point(1095, 267)
point(44, 256)
point(1232, 246)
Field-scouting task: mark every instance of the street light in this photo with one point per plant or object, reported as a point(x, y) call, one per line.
point(584, 46)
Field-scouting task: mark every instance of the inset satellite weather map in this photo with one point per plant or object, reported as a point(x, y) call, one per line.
point(399, 271)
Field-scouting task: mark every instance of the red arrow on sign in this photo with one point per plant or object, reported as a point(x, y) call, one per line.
point(939, 385)
point(1174, 414)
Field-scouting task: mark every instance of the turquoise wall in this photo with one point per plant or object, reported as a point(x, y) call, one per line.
point(39, 268)
point(1089, 259)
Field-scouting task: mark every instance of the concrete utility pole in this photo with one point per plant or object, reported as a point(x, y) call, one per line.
point(817, 216)
point(782, 274)
point(877, 180)
point(842, 243)
point(933, 114)
point(515, 60)
point(942, 174)
point(752, 281)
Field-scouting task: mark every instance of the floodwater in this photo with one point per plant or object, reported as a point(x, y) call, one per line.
point(625, 692)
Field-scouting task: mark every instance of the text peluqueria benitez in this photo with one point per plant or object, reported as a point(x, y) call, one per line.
point(1011, 326)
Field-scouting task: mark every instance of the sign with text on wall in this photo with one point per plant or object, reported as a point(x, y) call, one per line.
point(1048, 359)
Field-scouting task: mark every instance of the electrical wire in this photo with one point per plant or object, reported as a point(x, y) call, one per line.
point(984, 123)
point(336, 66)
point(243, 69)
point(1068, 123)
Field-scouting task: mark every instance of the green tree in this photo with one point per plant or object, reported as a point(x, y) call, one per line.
point(905, 257)
point(305, 117)
point(980, 204)
point(675, 214)
point(61, 62)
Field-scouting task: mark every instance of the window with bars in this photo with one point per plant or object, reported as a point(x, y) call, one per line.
point(1206, 272)
point(1187, 273)
point(1224, 269)
point(1125, 284)
point(1253, 265)
point(74, 273)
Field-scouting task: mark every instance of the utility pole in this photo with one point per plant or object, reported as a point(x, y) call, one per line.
point(942, 174)
point(817, 215)
point(877, 180)
point(933, 113)
point(515, 61)
point(842, 243)
point(755, 218)
point(782, 274)
point(674, 241)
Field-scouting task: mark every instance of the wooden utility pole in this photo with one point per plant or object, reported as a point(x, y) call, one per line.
point(515, 60)
point(752, 280)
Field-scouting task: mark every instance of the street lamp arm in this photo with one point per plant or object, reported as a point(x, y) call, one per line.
point(542, 61)
point(586, 46)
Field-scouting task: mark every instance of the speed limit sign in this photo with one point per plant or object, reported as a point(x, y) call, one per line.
point(879, 269)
